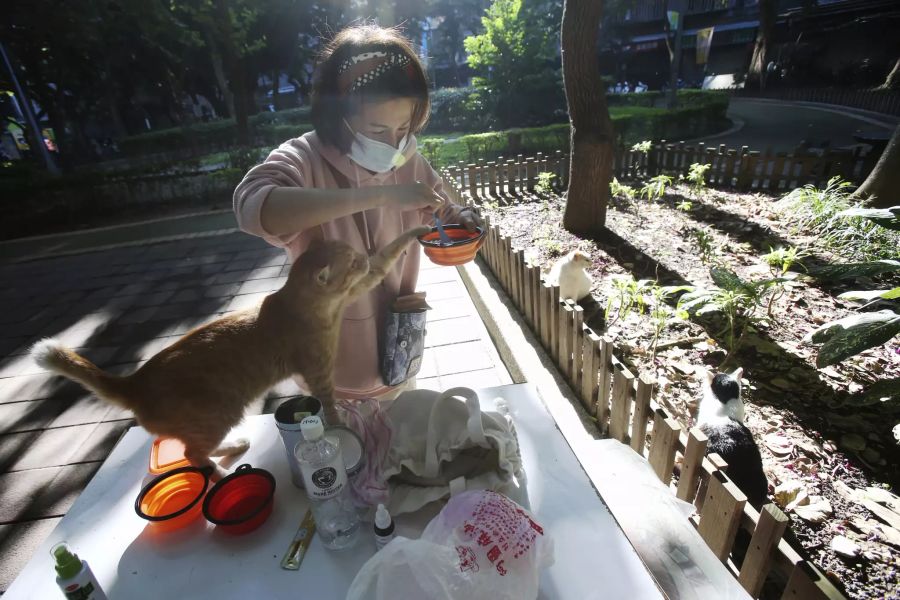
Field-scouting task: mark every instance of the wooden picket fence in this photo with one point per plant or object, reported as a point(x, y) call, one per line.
point(739, 169)
point(625, 409)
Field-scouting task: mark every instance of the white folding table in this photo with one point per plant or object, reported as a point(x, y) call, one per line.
point(132, 562)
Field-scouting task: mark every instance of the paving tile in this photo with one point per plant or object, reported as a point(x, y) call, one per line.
point(18, 542)
point(16, 417)
point(242, 264)
point(475, 379)
point(40, 493)
point(450, 309)
point(264, 272)
point(34, 387)
point(437, 276)
point(51, 448)
point(457, 358)
point(85, 410)
point(141, 315)
point(267, 285)
point(221, 290)
point(188, 295)
point(231, 276)
point(452, 331)
point(445, 290)
point(429, 366)
point(15, 446)
point(428, 383)
point(245, 301)
point(99, 443)
point(153, 299)
point(277, 260)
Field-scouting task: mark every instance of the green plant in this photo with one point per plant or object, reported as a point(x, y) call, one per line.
point(662, 315)
point(642, 147)
point(697, 178)
point(705, 243)
point(430, 148)
point(628, 295)
point(684, 205)
point(781, 259)
point(856, 232)
point(656, 187)
point(618, 189)
point(851, 335)
point(544, 183)
point(738, 301)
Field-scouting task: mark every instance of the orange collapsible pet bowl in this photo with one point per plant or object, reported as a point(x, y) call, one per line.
point(463, 246)
point(172, 500)
point(242, 501)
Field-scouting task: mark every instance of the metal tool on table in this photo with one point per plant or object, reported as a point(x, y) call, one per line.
point(300, 544)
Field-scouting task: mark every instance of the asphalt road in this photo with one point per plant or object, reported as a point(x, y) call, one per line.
point(782, 125)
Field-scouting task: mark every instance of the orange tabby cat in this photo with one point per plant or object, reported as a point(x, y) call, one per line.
point(196, 389)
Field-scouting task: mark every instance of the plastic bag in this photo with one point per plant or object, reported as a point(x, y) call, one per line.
point(481, 545)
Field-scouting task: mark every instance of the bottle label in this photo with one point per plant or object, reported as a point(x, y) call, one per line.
point(80, 592)
point(325, 482)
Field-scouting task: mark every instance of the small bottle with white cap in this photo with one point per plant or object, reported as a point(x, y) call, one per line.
point(384, 527)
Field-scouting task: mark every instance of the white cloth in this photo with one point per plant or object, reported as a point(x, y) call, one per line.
point(442, 444)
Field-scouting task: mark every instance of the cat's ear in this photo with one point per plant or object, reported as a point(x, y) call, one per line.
point(738, 373)
point(323, 274)
point(709, 376)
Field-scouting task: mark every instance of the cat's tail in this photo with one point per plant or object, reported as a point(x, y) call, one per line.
point(52, 355)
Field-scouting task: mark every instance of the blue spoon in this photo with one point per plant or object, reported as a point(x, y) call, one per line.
point(445, 239)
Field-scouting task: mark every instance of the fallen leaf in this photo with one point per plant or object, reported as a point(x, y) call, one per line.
point(881, 531)
point(882, 496)
point(683, 367)
point(843, 546)
point(787, 492)
point(778, 444)
point(817, 511)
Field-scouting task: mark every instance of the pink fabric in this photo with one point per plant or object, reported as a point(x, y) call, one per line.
point(367, 419)
point(301, 162)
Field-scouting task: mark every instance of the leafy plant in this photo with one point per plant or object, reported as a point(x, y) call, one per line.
point(656, 187)
point(739, 302)
point(642, 147)
point(684, 205)
point(544, 183)
point(697, 178)
point(705, 243)
point(781, 259)
point(662, 315)
point(430, 148)
point(851, 335)
point(618, 189)
point(628, 296)
point(859, 233)
point(848, 270)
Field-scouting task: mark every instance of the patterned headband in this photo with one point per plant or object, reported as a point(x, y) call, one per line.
point(362, 69)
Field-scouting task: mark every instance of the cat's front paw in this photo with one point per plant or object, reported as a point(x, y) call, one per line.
point(418, 231)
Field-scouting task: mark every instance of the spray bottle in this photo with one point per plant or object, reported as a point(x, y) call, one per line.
point(76, 580)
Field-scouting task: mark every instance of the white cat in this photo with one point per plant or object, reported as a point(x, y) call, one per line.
point(570, 272)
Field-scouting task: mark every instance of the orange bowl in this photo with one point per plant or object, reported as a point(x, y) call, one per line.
point(463, 246)
point(173, 499)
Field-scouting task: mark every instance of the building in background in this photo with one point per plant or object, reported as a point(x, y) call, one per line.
point(829, 43)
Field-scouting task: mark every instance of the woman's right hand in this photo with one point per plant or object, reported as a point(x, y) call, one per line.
point(411, 196)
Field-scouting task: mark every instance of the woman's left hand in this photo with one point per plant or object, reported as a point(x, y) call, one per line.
point(470, 218)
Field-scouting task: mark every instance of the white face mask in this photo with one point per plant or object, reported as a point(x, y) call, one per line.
point(374, 155)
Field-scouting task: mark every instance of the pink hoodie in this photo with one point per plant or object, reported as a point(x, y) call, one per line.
point(300, 162)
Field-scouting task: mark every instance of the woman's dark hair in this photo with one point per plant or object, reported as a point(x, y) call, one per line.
point(331, 105)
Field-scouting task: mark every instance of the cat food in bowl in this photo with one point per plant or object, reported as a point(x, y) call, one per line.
point(461, 248)
point(242, 501)
point(172, 500)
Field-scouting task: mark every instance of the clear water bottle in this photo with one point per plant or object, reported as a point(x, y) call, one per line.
point(325, 480)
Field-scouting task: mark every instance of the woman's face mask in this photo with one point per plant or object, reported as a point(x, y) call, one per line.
point(381, 134)
point(374, 155)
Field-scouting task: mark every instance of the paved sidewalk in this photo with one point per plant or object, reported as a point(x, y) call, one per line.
point(121, 306)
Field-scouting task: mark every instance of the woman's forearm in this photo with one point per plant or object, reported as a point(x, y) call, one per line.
point(288, 210)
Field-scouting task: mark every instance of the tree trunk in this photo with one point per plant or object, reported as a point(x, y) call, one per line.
point(892, 81)
point(756, 74)
point(215, 57)
point(882, 186)
point(591, 160)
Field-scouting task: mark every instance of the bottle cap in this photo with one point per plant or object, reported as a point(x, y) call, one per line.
point(312, 428)
point(382, 517)
point(67, 562)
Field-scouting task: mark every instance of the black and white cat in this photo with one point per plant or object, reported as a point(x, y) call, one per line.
point(721, 418)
